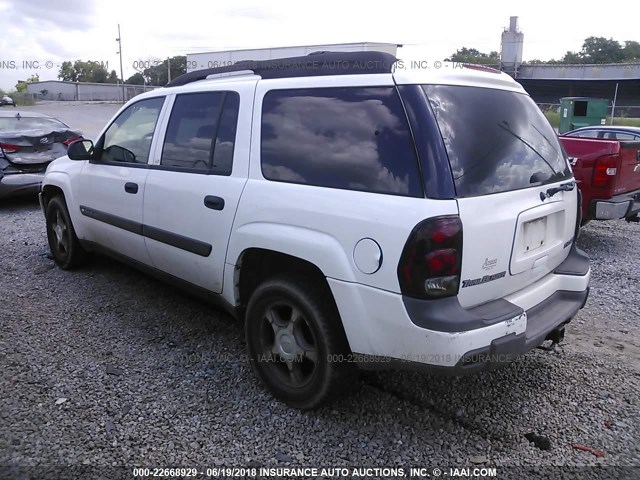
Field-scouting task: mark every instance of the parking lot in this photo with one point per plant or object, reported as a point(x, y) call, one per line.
point(105, 366)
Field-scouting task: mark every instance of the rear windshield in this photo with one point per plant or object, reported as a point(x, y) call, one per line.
point(13, 124)
point(497, 140)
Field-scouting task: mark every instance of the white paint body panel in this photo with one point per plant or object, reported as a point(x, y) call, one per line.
point(101, 187)
point(174, 201)
point(493, 229)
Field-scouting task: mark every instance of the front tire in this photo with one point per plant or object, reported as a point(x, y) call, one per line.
point(295, 342)
point(63, 242)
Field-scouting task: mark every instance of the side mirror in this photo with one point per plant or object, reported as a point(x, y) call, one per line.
point(81, 150)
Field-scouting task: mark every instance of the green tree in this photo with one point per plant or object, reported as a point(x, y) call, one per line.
point(471, 55)
point(158, 74)
point(572, 57)
point(602, 50)
point(135, 79)
point(113, 77)
point(631, 51)
point(81, 71)
point(67, 73)
point(21, 86)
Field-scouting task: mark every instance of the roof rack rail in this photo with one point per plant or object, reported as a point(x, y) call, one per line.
point(312, 65)
point(237, 73)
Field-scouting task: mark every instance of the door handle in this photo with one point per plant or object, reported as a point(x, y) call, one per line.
point(213, 202)
point(131, 187)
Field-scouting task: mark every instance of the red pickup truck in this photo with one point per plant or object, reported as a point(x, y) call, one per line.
point(608, 175)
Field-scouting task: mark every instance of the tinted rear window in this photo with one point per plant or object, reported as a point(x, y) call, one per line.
point(497, 141)
point(347, 138)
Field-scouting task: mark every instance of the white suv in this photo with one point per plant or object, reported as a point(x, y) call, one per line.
point(352, 212)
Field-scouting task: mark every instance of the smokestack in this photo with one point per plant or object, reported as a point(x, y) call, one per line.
point(511, 49)
point(513, 24)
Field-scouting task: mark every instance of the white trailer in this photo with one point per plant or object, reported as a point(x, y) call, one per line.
point(199, 61)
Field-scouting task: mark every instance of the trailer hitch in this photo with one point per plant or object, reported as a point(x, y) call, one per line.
point(556, 336)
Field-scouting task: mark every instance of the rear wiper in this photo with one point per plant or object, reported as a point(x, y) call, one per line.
point(563, 187)
point(505, 125)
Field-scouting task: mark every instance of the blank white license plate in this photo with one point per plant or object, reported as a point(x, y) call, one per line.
point(535, 234)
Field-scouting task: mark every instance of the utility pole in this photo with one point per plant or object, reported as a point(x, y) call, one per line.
point(613, 107)
point(169, 69)
point(119, 40)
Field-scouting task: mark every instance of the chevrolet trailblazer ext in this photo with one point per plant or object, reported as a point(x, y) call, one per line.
point(348, 212)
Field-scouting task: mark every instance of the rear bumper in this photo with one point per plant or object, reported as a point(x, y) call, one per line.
point(393, 331)
point(20, 184)
point(544, 321)
point(621, 206)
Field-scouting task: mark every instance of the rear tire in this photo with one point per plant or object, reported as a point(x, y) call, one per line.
point(296, 343)
point(63, 242)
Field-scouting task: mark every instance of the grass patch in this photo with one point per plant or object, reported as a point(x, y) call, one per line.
point(22, 101)
point(627, 122)
point(553, 117)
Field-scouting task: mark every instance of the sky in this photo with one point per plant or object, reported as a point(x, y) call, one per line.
point(52, 31)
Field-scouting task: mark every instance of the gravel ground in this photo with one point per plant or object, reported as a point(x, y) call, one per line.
point(105, 366)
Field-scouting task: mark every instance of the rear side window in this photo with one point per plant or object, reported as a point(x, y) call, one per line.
point(623, 137)
point(497, 140)
point(201, 132)
point(586, 134)
point(347, 138)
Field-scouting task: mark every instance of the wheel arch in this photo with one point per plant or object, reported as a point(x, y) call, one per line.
point(48, 192)
point(256, 264)
point(319, 249)
point(59, 183)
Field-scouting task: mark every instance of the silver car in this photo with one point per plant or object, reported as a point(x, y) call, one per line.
point(7, 100)
point(29, 141)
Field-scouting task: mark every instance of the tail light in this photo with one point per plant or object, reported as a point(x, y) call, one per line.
point(432, 259)
point(71, 140)
point(8, 148)
point(604, 173)
point(576, 232)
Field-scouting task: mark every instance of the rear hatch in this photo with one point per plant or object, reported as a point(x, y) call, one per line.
point(505, 158)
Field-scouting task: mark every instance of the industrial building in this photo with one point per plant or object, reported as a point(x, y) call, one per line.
point(59, 90)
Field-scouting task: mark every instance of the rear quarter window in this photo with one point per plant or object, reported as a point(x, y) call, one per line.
point(346, 138)
point(496, 140)
point(585, 134)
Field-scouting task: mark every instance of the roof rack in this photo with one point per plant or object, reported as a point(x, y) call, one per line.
point(312, 65)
